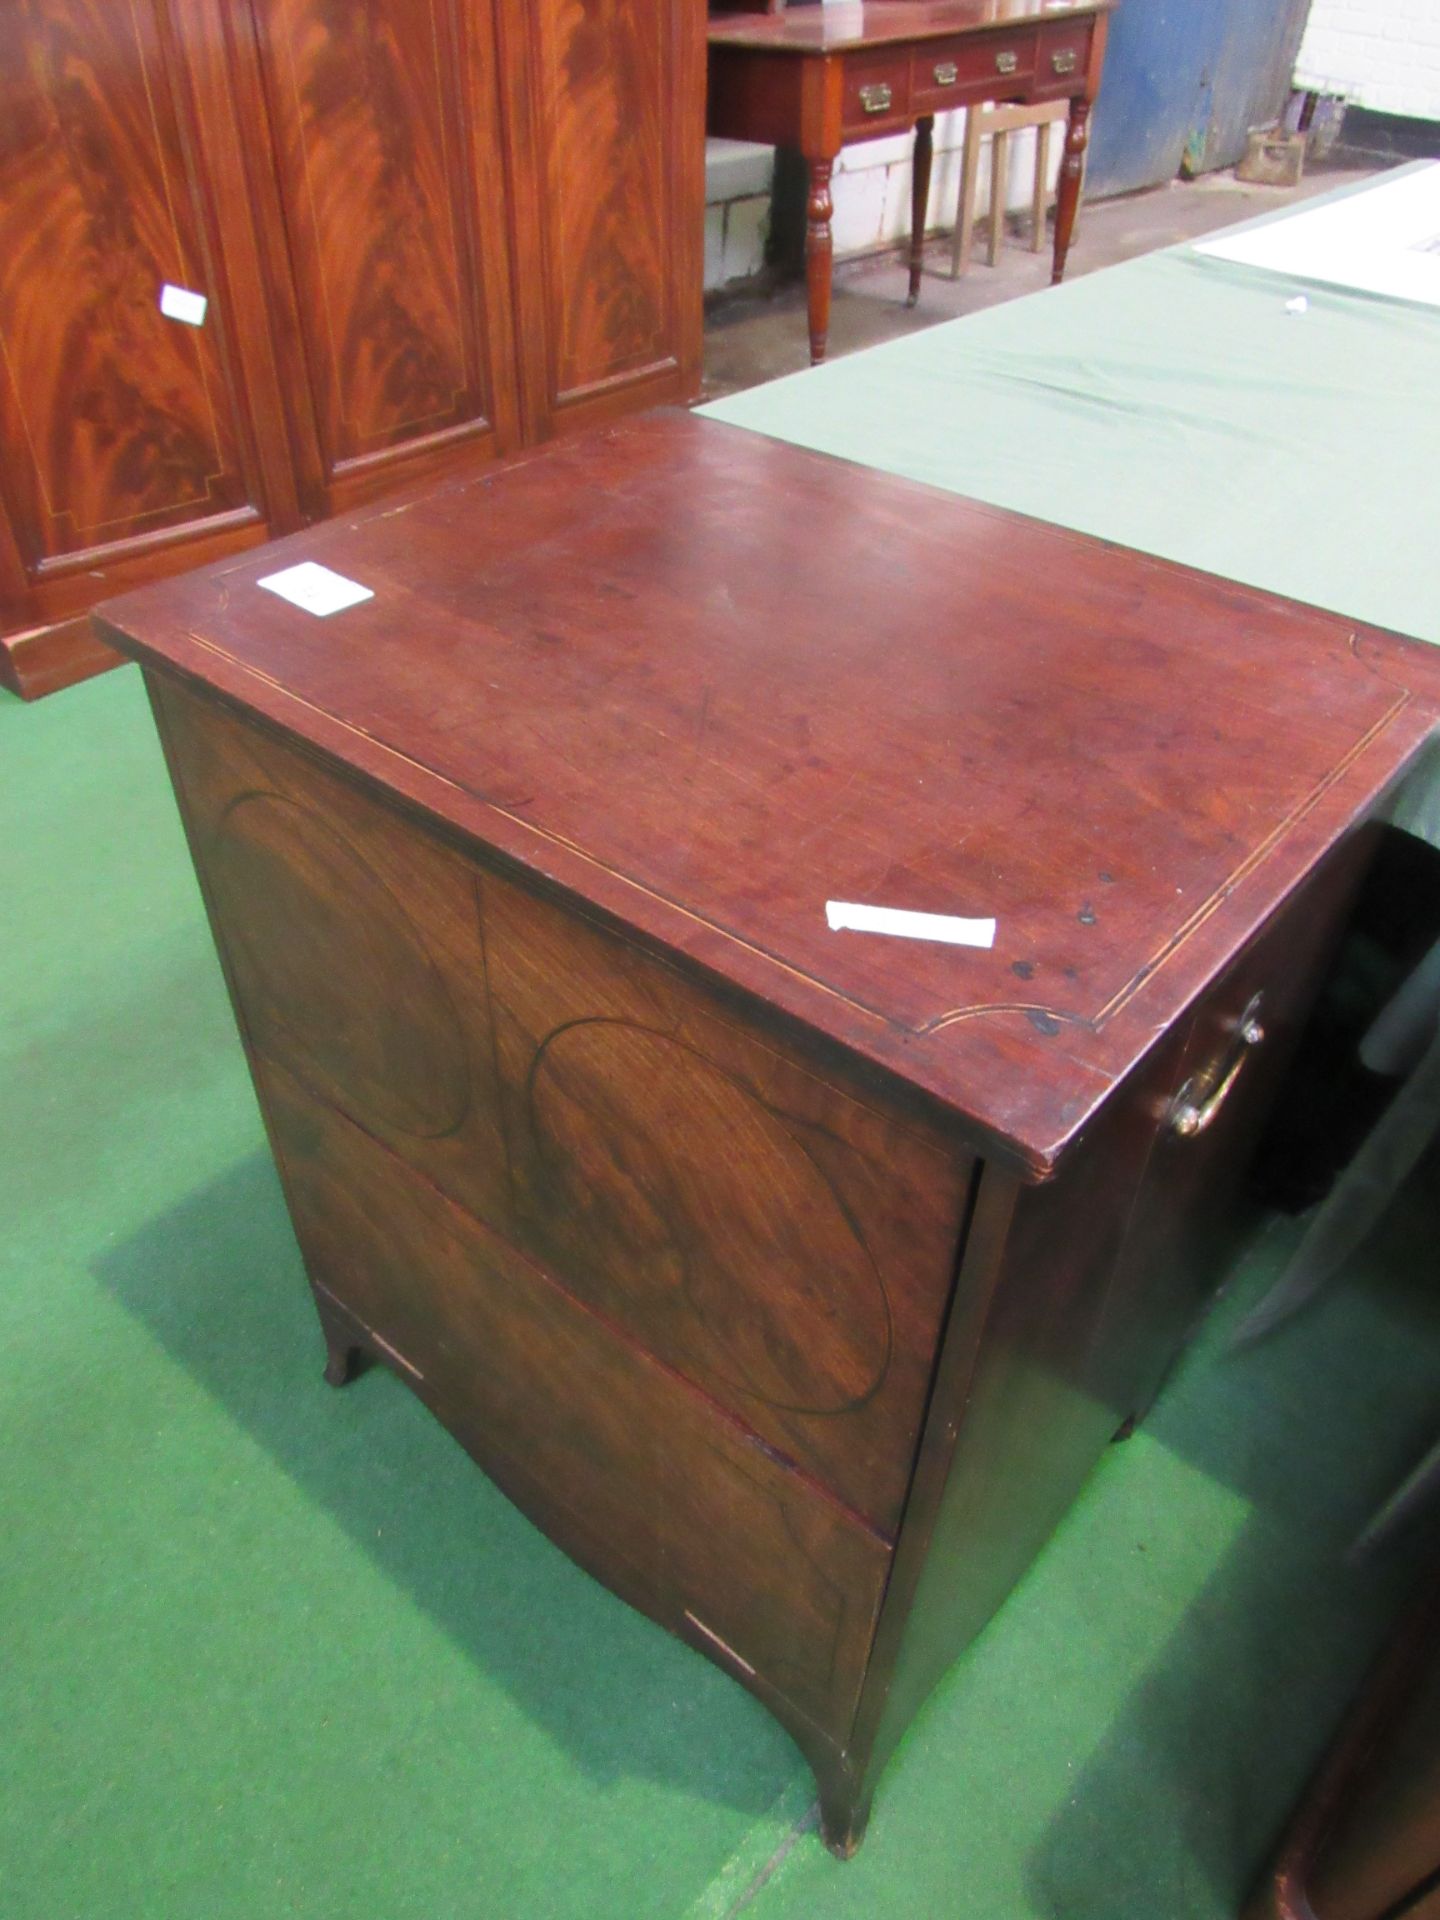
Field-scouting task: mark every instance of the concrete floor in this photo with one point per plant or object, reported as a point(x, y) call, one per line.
point(751, 338)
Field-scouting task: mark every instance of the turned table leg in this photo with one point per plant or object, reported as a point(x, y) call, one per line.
point(920, 201)
point(1072, 167)
point(819, 253)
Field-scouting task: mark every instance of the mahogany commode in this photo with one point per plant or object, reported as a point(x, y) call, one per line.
point(793, 1280)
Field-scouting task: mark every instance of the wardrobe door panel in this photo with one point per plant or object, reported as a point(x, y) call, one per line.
point(384, 120)
point(124, 436)
point(609, 134)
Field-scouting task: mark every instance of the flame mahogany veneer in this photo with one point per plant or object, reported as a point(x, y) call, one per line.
point(792, 1280)
point(428, 235)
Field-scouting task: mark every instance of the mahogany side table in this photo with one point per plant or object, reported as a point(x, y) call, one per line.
point(817, 78)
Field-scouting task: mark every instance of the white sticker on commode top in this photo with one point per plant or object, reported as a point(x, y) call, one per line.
point(316, 589)
point(179, 303)
point(904, 925)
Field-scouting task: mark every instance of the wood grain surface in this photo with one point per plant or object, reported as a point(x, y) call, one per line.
point(426, 234)
point(608, 240)
point(115, 421)
point(782, 1244)
point(386, 134)
point(642, 1480)
point(615, 667)
point(811, 29)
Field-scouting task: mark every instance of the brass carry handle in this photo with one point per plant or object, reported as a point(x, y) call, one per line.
point(1065, 61)
point(876, 98)
point(1006, 62)
point(946, 74)
point(1192, 1111)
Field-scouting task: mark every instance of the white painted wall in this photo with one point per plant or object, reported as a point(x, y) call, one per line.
point(1381, 54)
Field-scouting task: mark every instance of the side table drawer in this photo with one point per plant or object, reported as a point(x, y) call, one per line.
point(1063, 59)
point(947, 73)
point(641, 1479)
point(876, 96)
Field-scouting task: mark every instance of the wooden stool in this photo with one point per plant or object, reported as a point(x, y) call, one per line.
point(1000, 123)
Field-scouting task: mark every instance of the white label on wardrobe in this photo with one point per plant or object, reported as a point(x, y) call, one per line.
point(178, 303)
point(909, 926)
point(316, 589)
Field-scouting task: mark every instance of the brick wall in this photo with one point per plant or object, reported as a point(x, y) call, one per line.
point(1380, 54)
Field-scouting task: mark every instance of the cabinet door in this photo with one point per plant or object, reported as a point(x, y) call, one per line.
point(124, 434)
point(608, 136)
point(386, 237)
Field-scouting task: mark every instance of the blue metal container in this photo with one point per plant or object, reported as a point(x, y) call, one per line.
point(1185, 81)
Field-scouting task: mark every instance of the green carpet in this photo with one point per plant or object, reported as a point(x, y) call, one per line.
point(270, 1650)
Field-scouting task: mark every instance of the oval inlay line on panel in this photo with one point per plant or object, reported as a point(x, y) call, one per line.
point(339, 975)
point(698, 1200)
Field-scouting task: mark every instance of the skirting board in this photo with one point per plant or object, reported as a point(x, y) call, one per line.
point(44, 659)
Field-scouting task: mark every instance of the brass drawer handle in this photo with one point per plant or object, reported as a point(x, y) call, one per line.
point(875, 99)
point(946, 74)
point(1065, 61)
point(1006, 62)
point(1195, 1109)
